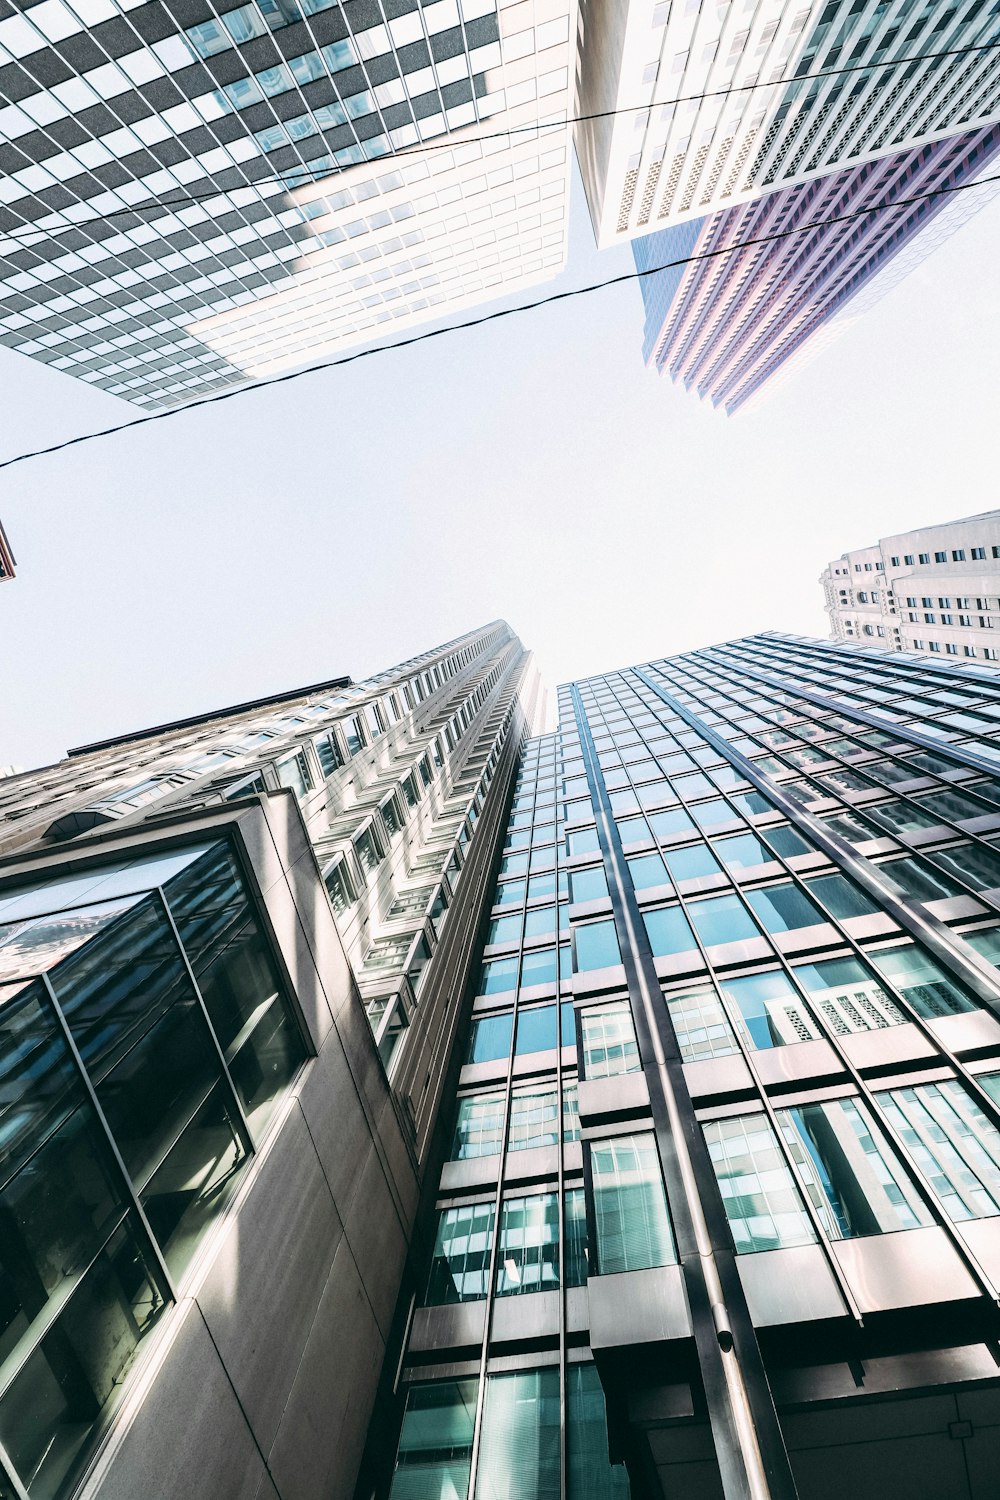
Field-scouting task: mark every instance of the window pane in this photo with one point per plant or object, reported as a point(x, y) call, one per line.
point(786, 841)
point(648, 870)
point(609, 1045)
point(499, 975)
point(480, 1127)
point(952, 1142)
point(721, 919)
point(536, 1030)
point(539, 967)
point(669, 823)
point(461, 1264)
point(630, 1206)
point(762, 1202)
point(701, 1025)
point(774, 1014)
point(596, 946)
point(534, 1119)
point(504, 930)
point(519, 1446)
point(920, 880)
point(575, 1254)
point(927, 987)
point(691, 863)
point(841, 897)
point(589, 885)
point(847, 996)
point(784, 907)
point(851, 1172)
point(591, 1476)
point(491, 1038)
point(977, 866)
point(668, 931)
point(742, 852)
point(435, 1445)
point(528, 1252)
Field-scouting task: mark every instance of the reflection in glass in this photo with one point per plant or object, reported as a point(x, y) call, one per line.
point(762, 1202)
point(461, 1263)
point(528, 1248)
point(772, 1011)
point(630, 1206)
point(435, 1445)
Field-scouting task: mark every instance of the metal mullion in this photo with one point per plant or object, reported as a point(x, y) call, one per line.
point(243, 1125)
point(968, 1079)
point(753, 1461)
point(561, 1181)
point(8, 1475)
point(497, 1213)
point(166, 1288)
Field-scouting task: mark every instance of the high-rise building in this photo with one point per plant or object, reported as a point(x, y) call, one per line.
point(194, 195)
point(731, 322)
point(678, 1171)
point(934, 589)
point(698, 107)
point(723, 1180)
point(233, 951)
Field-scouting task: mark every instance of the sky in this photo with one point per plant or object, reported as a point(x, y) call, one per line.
point(532, 469)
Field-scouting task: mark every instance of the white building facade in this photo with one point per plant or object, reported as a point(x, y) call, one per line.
point(936, 589)
point(690, 108)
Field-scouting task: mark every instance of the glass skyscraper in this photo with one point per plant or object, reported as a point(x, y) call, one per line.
point(194, 195)
point(615, 1112)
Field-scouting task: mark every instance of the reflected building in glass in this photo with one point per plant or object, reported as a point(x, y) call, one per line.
point(194, 195)
point(402, 1108)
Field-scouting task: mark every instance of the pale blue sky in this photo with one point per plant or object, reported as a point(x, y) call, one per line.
point(532, 469)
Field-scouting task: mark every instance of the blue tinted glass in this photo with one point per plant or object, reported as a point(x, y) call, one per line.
point(539, 968)
point(691, 863)
point(491, 1038)
point(499, 974)
point(753, 997)
point(781, 908)
point(721, 919)
point(567, 1024)
point(787, 842)
point(536, 1030)
point(841, 897)
point(668, 931)
point(742, 852)
point(584, 841)
point(648, 870)
point(709, 813)
point(589, 885)
point(540, 922)
point(597, 946)
point(670, 822)
point(510, 894)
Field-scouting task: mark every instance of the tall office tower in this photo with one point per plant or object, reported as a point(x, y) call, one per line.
point(721, 1193)
point(232, 955)
point(193, 195)
point(731, 321)
point(934, 589)
point(696, 107)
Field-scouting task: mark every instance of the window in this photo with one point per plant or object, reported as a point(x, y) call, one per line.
point(609, 1045)
point(630, 1206)
point(534, 1118)
point(519, 1445)
point(782, 908)
point(589, 885)
point(957, 556)
point(668, 931)
point(479, 1130)
point(926, 987)
point(294, 773)
point(920, 880)
point(952, 1142)
point(743, 852)
point(340, 887)
point(498, 975)
point(461, 1264)
point(773, 1013)
point(328, 753)
point(940, 557)
point(435, 1444)
point(701, 1025)
point(583, 841)
point(691, 863)
point(850, 1171)
point(536, 1029)
point(841, 897)
point(763, 1204)
point(647, 870)
point(908, 559)
point(575, 1253)
point(894, 562)
point(925, 558)
point(528, 1248)
point(504, 930)
point(721, 919)
point(369, 850)
point(491, 1038)
point(539, 966)
point(595, 946)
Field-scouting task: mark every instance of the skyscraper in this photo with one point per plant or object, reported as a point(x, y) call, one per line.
point(695, 108)
point(683, 1177)
point(731, 322)
point(232, 954)
point(192, 196)
point(935, 589)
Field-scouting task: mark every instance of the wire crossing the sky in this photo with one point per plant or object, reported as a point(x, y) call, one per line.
point(491, 317)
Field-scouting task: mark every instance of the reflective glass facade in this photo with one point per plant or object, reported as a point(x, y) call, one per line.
point(762, 880)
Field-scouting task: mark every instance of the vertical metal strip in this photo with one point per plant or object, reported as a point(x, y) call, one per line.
point(753, 1461)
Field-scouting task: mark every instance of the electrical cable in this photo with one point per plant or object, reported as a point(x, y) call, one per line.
point(491, 317)
point(423, 148)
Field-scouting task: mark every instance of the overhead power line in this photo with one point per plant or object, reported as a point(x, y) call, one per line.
point(451, 143)
point(490, 317)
